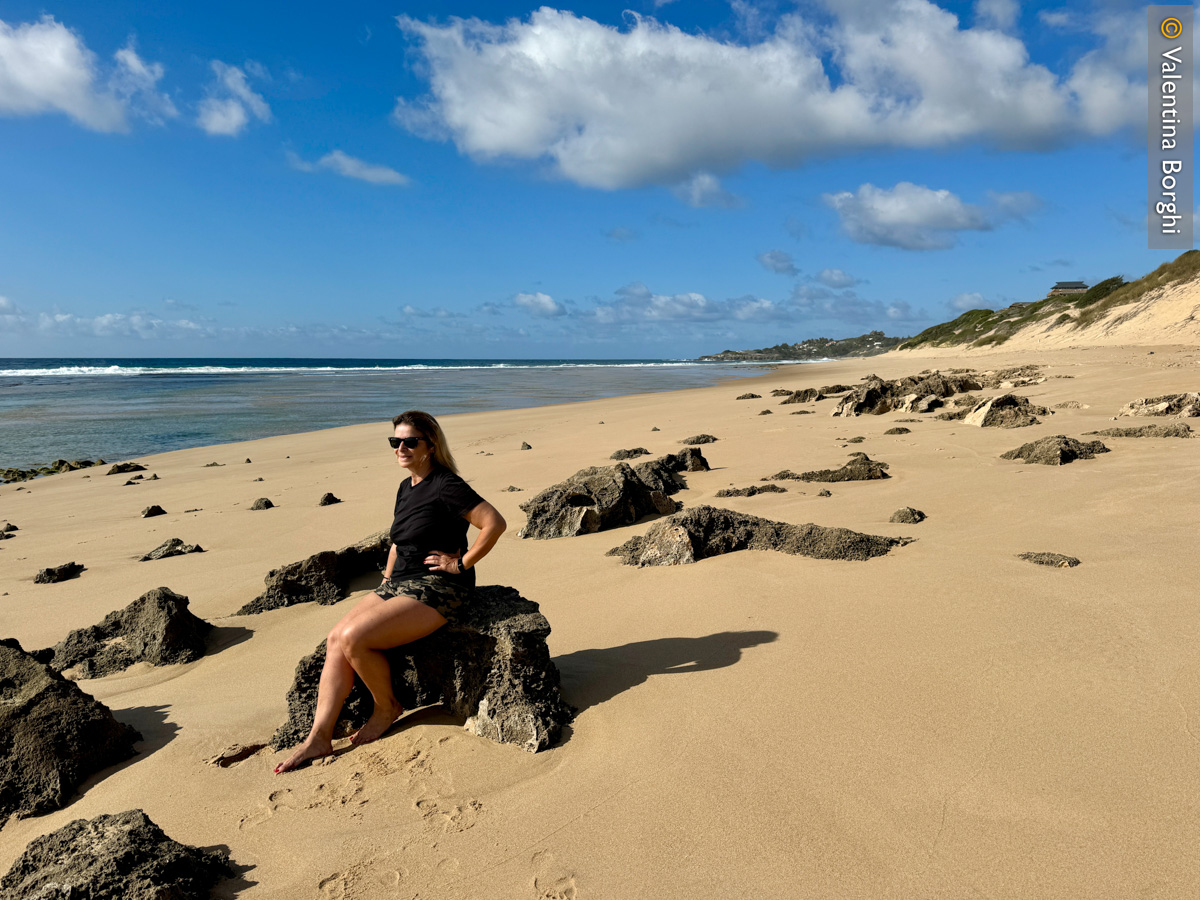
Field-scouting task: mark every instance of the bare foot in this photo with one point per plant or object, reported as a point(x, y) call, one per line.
point(377, 725)
point(312, 748)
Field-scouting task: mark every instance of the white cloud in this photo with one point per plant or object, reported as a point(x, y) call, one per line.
point(437, 312)
point(231, 102)
point(704, 190)
point(541, 305)
point(652, 104)
point(636, 304)
point(971, 300)
point(1056, 18)
point(915, 217)
point(1000, 14)
point(46, 67)
point(818, 302)
point(351, 167)
point(135, 81)
point(836, 278)
point(778, 261)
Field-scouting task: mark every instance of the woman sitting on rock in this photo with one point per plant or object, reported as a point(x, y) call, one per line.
point(430, 574)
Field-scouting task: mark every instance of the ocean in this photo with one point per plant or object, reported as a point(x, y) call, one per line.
point(123, 408)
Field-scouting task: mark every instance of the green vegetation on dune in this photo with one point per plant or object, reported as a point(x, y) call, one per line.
point(983, 327)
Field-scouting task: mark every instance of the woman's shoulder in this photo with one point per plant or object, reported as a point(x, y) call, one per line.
point(445, 476)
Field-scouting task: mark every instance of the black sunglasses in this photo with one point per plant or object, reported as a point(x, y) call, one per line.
point(409, 442)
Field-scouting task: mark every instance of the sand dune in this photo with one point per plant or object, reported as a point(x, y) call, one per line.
point(945, 721)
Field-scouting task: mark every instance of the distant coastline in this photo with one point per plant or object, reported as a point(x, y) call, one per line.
point(813, 350)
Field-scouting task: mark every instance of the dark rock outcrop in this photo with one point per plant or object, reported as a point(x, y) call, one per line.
point(835, 389)
point(262, 503)
point(1174, 430)
point(630, 454)
point(328, 499)
point(906, 515)
point(824, 493)
point(752, 491)
point(125, 468)
point(52, 735)
point(55, 574)
point(766, 412)
point(113, 857)
point(12, 475)
point(156, 628)
point(860, 468)
point(782, 475)
point(665, 473)
point(322, 578)
point(490, 666)
point(1005, 411)
point(705, 531)
point(1056, 450)
point(603, 497)
point(1057, 560)
point(512, 489)
point(6, 527)
point(698, 439)
point(954, 415)
point(172, 547)
point(1069, 404)
point(920, 393)
point(781, 392)
point(151, 511)
point(526, 446)
point(749, 396)
point(808, 395)
point(1013, 376)
point(212, 465)
point(899, 429)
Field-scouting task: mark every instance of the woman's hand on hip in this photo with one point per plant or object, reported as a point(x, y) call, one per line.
point(442, 562)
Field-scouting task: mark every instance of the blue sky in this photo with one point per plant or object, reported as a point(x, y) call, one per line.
point(478, 179)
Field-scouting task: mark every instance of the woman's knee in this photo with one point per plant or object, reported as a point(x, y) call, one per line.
point(338, 639)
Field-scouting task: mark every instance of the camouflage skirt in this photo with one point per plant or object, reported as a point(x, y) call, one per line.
point(435, 591)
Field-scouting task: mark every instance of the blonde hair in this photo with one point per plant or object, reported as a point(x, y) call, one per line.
point(432, 432)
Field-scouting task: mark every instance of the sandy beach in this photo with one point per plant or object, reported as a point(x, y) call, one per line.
point(946, 721)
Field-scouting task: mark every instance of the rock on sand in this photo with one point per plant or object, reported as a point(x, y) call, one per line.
point(52, 735)
point(113, 857)
point(704, 531)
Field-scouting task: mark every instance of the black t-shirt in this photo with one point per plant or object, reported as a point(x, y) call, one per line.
point(429, 516)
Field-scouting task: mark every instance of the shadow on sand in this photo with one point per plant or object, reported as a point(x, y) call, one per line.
point(231, 887)
point(222, 637)
point(590, 677)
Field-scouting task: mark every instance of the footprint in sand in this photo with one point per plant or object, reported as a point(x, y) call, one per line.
point(361, 880)
point(562, 888)
point(335, 887)
point(449, 816)
point(331, 796)
point(276, 800)
point(552, 881)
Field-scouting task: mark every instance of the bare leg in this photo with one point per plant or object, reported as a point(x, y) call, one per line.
point(354, 645)
point(400, 620)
